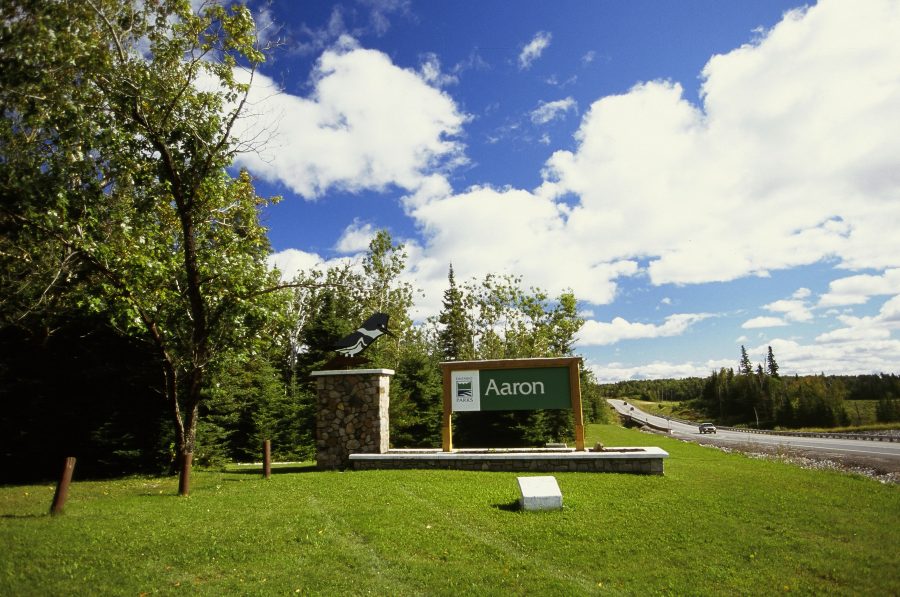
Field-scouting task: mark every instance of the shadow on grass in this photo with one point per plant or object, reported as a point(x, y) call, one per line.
point(513, 506)
point(23, 516)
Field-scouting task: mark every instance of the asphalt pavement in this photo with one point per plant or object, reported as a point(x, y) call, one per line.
point(881, 454)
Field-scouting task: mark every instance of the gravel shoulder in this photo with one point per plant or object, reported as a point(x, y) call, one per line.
point(882, 469)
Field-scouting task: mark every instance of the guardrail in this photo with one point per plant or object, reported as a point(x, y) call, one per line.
point(645, 422)
point(818, 434)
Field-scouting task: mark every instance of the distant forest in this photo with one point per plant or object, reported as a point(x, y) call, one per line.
point(765, 398)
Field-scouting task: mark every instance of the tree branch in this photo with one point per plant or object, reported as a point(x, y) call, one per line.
point(120, 49)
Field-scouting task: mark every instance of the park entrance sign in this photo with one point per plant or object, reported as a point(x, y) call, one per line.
point(510, 389)
point(512, 384)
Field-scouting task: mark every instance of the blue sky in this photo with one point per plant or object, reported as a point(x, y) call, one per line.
point(702, 174)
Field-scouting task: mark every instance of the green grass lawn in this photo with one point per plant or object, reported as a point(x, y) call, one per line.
point(715, 524)
point(679, 410)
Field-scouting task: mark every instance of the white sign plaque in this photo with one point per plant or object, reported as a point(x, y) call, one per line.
point(465, 390)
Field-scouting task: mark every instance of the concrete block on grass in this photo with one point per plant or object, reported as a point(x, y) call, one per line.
point(539, 493)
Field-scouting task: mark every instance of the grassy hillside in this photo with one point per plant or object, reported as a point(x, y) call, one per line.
point(716, 523)
point(679, 410)
point(862, 412)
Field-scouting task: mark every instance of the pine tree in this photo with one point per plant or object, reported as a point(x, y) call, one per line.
point(455, 339)
point(771, 365)
point(745, 367)
point(416, 402)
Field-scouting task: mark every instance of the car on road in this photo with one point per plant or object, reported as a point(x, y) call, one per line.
point(707, 428)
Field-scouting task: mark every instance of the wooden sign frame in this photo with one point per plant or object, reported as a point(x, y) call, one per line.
point(574, 389)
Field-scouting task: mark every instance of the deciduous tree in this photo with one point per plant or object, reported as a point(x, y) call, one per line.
point(116, 140)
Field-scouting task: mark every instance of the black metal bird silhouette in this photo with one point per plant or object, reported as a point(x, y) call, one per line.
point(351, 345)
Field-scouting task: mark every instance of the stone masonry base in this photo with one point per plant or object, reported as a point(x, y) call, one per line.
point(352, 415)
point(645, 461)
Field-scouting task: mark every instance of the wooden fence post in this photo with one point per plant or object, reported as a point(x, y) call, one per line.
point(267, 458)
point(62, 489)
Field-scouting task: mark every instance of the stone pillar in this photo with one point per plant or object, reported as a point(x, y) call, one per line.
point(351, 415)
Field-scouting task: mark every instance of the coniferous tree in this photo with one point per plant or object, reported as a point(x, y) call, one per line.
point(416, 402)
point(326, 322)
point(455, 339)
point(771, 365)
point(784, 413)
point(745, 367)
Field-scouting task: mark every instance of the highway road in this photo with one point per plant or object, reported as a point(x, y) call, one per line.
point(878, 454)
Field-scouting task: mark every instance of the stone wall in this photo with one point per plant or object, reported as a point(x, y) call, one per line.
point(352, 415)
point(637, 465)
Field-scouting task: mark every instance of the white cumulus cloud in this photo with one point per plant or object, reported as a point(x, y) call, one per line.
point(860, 328)
point(613, 372)
point(842, 353)
point(793, 156)
point(856, 290)
point(599, 333)
point(513, 231)
point(292, 261)
point(763, 322)
point(368, 124)
point(793, 309)
point(355, 238)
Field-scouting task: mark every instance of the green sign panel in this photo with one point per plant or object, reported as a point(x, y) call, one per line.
point(511, 389)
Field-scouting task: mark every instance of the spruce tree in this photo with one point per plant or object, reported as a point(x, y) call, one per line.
point(455, 339)
point(745, 367)
point(771, 365)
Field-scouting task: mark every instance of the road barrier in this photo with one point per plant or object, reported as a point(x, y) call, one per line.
point(644, 423)
point(825, 434)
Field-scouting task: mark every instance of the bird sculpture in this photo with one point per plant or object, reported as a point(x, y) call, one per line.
point(350, 346)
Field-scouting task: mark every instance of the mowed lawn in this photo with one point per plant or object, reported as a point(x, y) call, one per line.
point(715, 524)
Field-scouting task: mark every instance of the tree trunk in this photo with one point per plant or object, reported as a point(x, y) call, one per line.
point(184, 473)
point(186, 448)
point(185, 431)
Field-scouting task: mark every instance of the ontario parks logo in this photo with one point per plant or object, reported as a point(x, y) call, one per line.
point(465, 390)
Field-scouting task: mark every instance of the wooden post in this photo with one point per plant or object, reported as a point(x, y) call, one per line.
point(62, 489)
point(446, 422)
point(267, 458)
point(575, 392)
